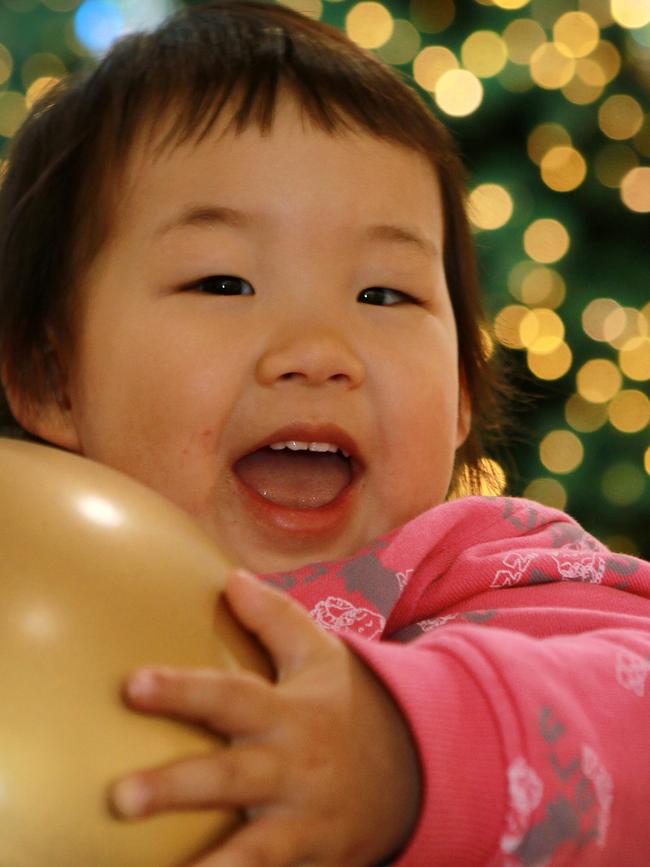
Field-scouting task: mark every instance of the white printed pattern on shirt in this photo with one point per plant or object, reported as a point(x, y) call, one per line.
point(337, 614)
point(525, 790)
point(435, 622)
point(631, 671)
point(588, 568)
point(595, 771)
point(403, 578)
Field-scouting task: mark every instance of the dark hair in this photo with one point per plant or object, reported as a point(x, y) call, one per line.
point(62, 164)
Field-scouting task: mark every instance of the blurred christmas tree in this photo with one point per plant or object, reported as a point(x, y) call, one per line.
point(549, 100)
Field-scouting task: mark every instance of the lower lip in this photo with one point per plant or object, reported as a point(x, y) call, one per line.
point(322, 521)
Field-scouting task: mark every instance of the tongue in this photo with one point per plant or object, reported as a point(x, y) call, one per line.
point(298, 480)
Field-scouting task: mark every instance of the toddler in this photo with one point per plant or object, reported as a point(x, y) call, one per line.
point(235, 265)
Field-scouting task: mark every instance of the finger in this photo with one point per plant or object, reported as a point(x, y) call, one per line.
point(280, 623)
point(233, 703)
point(269, 841)
point(235, 777)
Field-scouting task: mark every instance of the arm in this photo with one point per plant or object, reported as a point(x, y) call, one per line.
point(533, 751)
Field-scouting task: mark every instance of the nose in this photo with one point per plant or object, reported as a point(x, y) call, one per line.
point(311, 354)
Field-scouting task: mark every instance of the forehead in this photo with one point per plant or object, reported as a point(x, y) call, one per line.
point(290, 173)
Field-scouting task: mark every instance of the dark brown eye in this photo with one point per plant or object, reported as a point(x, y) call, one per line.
point(222, 285)
point(383, 297)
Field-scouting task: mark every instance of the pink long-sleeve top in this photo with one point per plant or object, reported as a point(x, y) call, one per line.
point(518, 650)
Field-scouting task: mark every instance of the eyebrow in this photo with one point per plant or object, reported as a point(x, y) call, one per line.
point(211, 215)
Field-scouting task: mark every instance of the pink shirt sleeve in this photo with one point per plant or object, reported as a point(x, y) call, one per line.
point(518, 649)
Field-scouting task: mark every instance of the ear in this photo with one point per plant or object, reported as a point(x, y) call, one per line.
point(50, 417)
point(464, 414)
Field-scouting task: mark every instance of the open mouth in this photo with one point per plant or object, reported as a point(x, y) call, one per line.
point(297, 475)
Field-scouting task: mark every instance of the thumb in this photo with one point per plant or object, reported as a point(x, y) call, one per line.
point(279, 623)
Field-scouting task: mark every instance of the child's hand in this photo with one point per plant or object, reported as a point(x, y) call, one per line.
point(321, 760)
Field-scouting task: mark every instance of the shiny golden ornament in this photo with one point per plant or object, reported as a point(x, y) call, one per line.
point(99, 576)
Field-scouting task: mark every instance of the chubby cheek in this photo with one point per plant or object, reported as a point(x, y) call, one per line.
point(418, 432)
point(151, 413)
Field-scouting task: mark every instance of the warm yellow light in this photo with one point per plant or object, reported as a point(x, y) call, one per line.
point(492, 480)
point(631, 13)
point(598, 380)
point(431, 17)
point(576, 34)
point(39, 88)
point(629, 411)
point(613, 162)
point(546, 240)
point(41, 65)
point(484, 53)
point(635, 189)
point(561, 451)
point(403, 45)
point(590, 72)
point(634, 358)
point(506, 325)
point(620, 116)
point(522, 37)
point(550, 68)
point(487, 343)
point(511, 4)
point(608, 58)
point(541, 331)
point(431, 63)
point(646, 460)
point(623, 483)
point(563, 168)
point(547, 491)
point(599, 10)
point(544, 137)
point(369, 24)
point(13, 111)
point(579, 92)
point(583, 415)
point(6, 64)
point(542, 287)
point(550, 365)
point(310, 8)
point(490, 206)
point(624, 325)
point(458, 92)
point(598, 321)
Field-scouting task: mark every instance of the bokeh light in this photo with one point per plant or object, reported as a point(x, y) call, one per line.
point(431, 64)
point(563, 168)
point(484, 53)
point(629, 411)
point(546, 240)
point(620, 116)
point(576, 34)
point(458, 92)
point(635, 189)
point(623, 483)
point(98, 23)
point(549, 492)
point(490, 206)
point(369, 24)
point(598, 380)
point(631, 13)
point(561, 451)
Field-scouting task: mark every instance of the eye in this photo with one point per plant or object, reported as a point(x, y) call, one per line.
point(384, 297)
point(221, 285)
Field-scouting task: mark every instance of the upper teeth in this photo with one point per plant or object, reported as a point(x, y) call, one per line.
point(296, 446)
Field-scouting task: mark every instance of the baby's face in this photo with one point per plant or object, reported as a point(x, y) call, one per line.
point(265, 289)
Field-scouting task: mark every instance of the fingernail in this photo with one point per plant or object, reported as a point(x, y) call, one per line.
point(141, 684)
point(130, 797)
